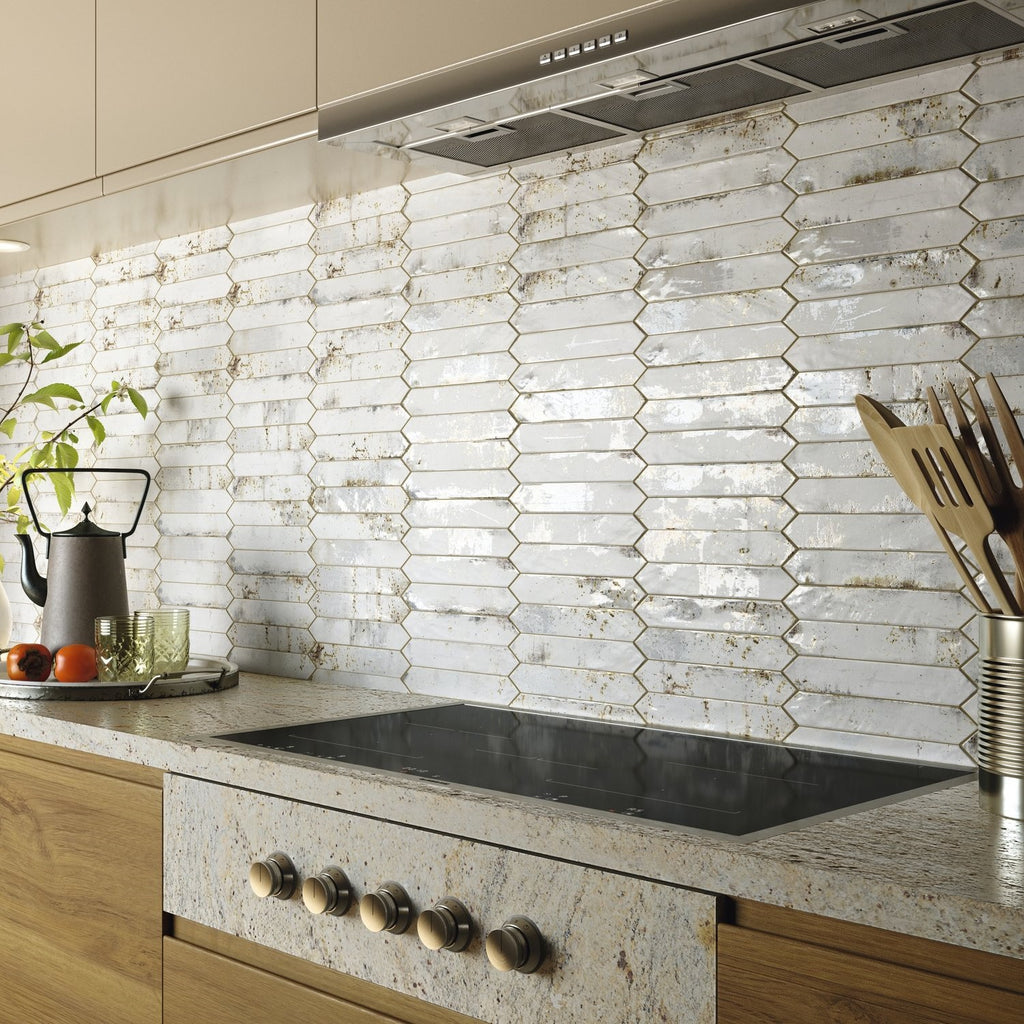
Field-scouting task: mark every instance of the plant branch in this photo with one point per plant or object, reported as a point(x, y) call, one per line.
point(21, 391)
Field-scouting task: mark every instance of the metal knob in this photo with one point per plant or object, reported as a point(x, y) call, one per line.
point(386, 910)
point(516, 946)
point(274, 876)
point(328, 892)
point(447, 925)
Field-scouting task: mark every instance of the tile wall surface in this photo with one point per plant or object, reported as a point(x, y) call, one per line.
point(580, 436)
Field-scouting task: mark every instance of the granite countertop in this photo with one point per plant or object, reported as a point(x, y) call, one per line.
point(936, 865)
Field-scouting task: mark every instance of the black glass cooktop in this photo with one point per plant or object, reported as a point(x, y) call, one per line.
point(730, 787)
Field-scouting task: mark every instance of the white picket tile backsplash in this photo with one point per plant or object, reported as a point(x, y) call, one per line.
point(579, 436)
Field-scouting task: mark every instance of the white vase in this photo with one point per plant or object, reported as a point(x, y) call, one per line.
point(5, 618)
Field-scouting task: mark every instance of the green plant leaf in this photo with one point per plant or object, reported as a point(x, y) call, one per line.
point(45, 340)
point(99, 432)
point(46, 395)
point(64, 488)
point(60, 351)
point(8, 425)
point(66, 455)
point(138, 401)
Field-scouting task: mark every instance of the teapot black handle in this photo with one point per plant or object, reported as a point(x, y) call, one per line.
point(26, 473)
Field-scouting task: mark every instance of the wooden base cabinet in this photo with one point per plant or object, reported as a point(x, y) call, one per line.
point(81, 919)
point(785, 967)
point(215, 978)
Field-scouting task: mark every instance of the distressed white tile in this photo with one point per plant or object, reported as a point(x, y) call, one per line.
point(744, 239)
point(876, 237)
point(576, 528)
point(589, 686)
point(995, 80)
point(452, 597)
point(576, 652)
point(698, 714)
point(704, 144)
point(997, 238)
point(573, 560)
point(1000, 159)
point(596, 247)
point(733, 275)
point(460, 656)
point(458, 227)
point(881, 717)
point(693, 446)
point(717, 210)
point(576, 219)
point(444, 682)
point(454, 627)
point(889, 160)
point(616, 308)
point(716, 682)
point(571, 282)
point(995, 199)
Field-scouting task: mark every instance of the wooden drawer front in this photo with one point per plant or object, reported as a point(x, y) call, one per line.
point(767, 979)
point(203, 986)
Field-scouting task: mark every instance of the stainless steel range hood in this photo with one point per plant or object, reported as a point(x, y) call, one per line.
point(657, 68)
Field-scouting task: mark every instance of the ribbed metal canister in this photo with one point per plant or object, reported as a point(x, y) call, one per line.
point(1001, 714)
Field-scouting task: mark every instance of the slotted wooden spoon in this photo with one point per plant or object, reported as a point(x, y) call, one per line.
point(882, 426)
point(955, 499)
point(1004, 499)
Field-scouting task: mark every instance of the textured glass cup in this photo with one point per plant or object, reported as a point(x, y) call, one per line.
point(124, 648)
point(170, 639)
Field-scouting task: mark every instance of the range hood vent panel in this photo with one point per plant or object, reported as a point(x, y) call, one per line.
point(658, 81)
point(928, 38)
point(706, 93)
point(515, 141)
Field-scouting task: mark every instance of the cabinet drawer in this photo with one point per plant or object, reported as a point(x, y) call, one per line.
point(769, 979)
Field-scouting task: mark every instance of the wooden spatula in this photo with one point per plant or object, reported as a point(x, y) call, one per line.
point(883, 427)
point(954, 498)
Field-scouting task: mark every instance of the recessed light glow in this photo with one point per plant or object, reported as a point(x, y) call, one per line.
point(12, 245)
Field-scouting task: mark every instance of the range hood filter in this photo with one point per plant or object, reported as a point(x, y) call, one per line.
point(704, 94)
point(924, 39)
point(518, 140)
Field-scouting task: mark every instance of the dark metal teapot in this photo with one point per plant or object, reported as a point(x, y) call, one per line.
point(85, 567)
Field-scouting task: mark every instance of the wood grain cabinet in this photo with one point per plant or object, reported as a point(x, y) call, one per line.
point(47, 106)
point(367, 44)
point(215, 978)
point(171, 77)
point(81, 921)
point(784, 967)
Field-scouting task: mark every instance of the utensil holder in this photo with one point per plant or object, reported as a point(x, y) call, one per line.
point(1001, 714)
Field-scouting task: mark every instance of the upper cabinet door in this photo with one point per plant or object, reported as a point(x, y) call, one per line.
point(171, 76)
point(47, 106)
point(366, 44)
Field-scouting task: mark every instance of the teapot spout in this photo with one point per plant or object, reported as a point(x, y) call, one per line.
point(33, 584)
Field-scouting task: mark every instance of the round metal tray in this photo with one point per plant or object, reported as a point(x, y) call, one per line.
point(202, 675)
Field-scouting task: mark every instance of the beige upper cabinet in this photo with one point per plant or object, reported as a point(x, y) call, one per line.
point(172, 76)
point(47, 106)
point(366, 44)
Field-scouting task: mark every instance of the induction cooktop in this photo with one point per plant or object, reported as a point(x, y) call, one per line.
point(735, 788)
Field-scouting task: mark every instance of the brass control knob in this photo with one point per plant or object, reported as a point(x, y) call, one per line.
point(274, 876)
point(328, 892)
point(516, 946)
point(447, 925)
point(386, 910)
